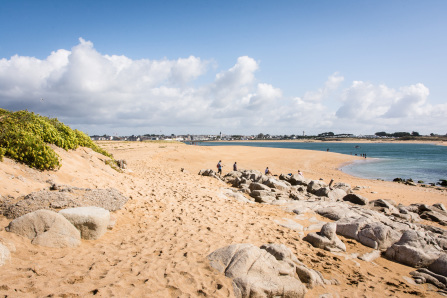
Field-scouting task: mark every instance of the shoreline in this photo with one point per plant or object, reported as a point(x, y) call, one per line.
point(368, 172)
point(347, 141)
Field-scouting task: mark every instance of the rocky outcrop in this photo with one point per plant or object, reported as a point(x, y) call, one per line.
point(269, 271)
point(62, 198)
point(92, 222)
point(379, 224)
point(46, 228)
point(326, 239)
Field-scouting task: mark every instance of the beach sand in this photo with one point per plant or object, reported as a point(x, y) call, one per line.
point(174, 219)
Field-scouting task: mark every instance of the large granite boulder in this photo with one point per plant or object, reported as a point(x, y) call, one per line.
point(256, 272)
point(269, 271)
point(368, 232)
point(413, 249)
point(62, 198)
point(326, 239)
point(46, 228)
point(92, 222)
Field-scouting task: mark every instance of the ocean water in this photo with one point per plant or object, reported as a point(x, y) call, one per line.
point(424, 162)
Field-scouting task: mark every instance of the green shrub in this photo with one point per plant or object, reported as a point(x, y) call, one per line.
point(24, 136)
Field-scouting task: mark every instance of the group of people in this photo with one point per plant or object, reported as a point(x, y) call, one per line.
point(266, 172)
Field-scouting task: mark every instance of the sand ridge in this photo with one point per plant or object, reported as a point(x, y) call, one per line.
point(174, 219)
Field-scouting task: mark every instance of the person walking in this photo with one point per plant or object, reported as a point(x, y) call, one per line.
point(219, 167)
point(235, 166)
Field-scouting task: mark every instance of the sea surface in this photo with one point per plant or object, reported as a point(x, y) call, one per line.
point(420, 162)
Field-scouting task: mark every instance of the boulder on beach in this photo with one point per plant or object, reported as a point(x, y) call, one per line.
point(62, 198)
point(46, 228)
point(92, 222)
point(413, 249)
point(326, 239)
point(267, 271)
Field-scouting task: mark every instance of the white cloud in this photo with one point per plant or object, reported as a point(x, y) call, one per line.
point(109, 93)
point(332, 83)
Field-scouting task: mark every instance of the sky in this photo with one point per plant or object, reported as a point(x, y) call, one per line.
point(236, 67)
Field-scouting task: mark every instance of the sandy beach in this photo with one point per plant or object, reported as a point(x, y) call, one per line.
point(174, 219)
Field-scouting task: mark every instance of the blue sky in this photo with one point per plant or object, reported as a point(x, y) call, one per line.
point(240, 67)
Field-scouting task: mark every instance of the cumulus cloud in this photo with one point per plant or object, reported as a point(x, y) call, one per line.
point(332, 83)
point(366, 101)
point(101, 93)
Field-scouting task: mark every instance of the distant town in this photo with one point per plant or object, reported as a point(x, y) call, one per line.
point(326, 136)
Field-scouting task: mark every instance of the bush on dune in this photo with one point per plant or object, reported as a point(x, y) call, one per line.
point(25, 137)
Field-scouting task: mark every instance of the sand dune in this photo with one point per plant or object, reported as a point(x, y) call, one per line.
point(174, 219)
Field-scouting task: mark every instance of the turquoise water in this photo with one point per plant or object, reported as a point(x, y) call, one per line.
point(384, 161)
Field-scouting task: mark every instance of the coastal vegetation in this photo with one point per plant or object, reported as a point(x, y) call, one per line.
point(26, 137)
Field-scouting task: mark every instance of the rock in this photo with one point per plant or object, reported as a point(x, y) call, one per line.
point(91, 221)
point(336, 194)
point(326, 239)
point(262, 196)
point(5, 255)
point(66, 197)
point(259, 186)
point(356, 199)
point(254, 176)
point(235, 195)
point(298, 180)
point(322, 192)
point(46, 228)
point(384, 204)
point(234, 178)
point(335, 212)
point(258, 272)
point(423, 275)
point(276, 184)
point(440, 206)
point(439, 217)
point(413, 250)
point(368, 232)
point(439, 266)
point(378, 236)
point(315, 185)
point(344, 186)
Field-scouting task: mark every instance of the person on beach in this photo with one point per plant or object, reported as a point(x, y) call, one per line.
point(300, 174)
point(219, 167)
point(235, 166)
point(267, 171)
